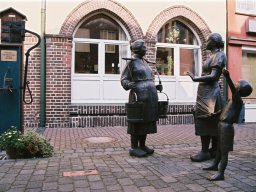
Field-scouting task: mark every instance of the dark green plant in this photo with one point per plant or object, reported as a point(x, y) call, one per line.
point(31, 144)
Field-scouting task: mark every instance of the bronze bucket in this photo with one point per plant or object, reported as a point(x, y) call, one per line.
point(163, 107)
point(135, 111)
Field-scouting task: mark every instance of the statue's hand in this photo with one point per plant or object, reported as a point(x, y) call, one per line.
point(225, 72)
point(191, 75)
point(131, 85)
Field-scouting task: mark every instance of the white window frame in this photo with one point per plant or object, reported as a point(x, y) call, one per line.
point(109, 35)
point(101, 51)
point(176, 55)
point(241, 10)
point(249, 49)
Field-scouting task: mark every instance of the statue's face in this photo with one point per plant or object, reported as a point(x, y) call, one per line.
point(209, 44)
point(143, 50)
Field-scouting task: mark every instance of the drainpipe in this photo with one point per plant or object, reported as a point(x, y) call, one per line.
point(42, 66)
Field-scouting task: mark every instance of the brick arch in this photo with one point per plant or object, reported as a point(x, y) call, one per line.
point(184, 13)
point(115, 9)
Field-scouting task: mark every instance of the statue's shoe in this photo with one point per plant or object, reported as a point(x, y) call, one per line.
point(147, 150)
point(201, 156)
point(219, 176)
point(137, 152)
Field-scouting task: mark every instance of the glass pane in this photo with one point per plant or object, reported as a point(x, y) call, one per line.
point(165, 61)
point(113, 58)
point(248, 73)
point(101, 27)
point(188, 61)
point(86, 58)
point(176, 32)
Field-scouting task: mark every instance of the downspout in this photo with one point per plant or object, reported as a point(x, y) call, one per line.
point(42, 66)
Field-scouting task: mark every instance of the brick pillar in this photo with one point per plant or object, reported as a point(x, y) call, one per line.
point(58, 80)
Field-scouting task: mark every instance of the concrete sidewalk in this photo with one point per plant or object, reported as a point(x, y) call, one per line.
point(96, 159)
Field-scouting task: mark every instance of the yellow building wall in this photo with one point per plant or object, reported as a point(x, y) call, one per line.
point(212, 11)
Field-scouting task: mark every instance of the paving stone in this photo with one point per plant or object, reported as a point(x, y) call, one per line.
point(20, 182)
point(169, 179)
point(25, 172)
point(81, 184)
point(195, 187)
point(215, 189)
point(110, 181)
point(115, 187)
point(18, 189)
point(50, 186)
point(148, 189)
point(96, 185)
point(125, 181)
point(129, 188)
point(4, 186)
point(34, 184)
point(66, 187)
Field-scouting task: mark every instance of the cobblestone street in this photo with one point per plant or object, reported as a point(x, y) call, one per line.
point(97, 159)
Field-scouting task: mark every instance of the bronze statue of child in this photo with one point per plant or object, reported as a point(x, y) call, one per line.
point(229, 115)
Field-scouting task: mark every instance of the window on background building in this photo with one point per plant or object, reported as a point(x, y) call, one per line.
point(97, 37)
point(246, 7)
point(177, 50)
point(249, 71)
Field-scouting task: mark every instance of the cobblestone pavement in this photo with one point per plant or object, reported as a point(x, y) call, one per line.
point(100, 156)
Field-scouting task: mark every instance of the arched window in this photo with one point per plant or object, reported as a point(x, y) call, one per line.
point(100, 29)
point(178, 49)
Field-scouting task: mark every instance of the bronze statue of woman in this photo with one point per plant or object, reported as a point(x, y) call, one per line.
point(209, 101)
point(138, 78)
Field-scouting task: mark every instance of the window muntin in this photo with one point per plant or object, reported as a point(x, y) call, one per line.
point(110, 35)
point(248, 72)
point(177, 49)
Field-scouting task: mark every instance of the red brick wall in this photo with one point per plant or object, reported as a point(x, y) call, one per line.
point(58, 80)
point(32, 111)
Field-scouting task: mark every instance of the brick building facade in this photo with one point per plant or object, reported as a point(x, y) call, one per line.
point(60, 111)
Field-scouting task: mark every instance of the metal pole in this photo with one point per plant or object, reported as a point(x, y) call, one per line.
point(42, 66)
